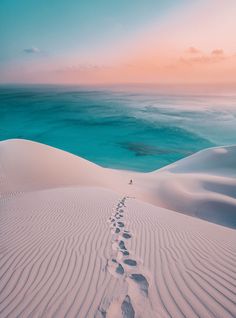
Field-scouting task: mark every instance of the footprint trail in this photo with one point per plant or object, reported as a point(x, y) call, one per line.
point(127, 268)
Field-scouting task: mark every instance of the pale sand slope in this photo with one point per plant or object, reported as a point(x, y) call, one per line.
point(64, 240)
point(202, 185)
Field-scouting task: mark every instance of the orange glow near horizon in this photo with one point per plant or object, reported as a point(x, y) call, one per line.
point(191, 46)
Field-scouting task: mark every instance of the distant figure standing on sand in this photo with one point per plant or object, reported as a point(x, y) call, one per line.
point(131, 181)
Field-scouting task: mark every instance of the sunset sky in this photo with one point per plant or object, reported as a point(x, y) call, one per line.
point(108, 41)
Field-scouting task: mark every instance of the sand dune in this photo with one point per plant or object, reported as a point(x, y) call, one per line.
point(201, 185)
point(77, 241)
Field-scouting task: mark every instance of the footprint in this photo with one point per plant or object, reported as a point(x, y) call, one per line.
point(120, 224)
point(117, 230)
point(127, 308)
point(141, 281)
point(126, 236)
point(122, 245)
point(101, 313)
point(115, 268)
point(120, 269)
point(125, 253)
point(130, 262)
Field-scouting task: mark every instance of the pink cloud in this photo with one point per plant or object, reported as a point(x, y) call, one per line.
point(217, 52)
point(193, 50)
point(216, 56)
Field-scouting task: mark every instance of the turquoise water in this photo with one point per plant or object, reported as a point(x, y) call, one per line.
point(124, 129)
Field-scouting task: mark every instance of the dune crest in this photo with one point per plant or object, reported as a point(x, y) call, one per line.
point(202, 185)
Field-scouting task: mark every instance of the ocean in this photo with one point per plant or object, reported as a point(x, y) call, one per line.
point(130, 129)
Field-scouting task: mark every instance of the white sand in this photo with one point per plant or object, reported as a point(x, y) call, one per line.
point(61, 255)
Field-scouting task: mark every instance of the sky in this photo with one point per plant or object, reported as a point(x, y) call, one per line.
point(110, 41)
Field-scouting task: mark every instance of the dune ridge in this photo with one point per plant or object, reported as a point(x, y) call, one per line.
point(77, 241)
point(202, 185)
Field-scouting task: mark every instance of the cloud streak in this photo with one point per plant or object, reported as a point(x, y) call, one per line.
point(193, 50)
point(32, 50)
point(217, 52)
point(215, 56)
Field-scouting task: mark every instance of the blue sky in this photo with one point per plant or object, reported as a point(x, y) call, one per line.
point(60, 26)
point(88, 41)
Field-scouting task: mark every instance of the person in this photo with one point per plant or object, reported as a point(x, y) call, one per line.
point(131, 181)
